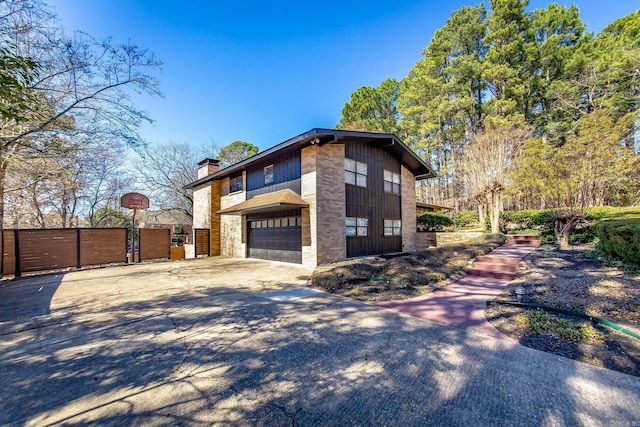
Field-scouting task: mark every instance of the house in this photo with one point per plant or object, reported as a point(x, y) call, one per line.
point(322, 196)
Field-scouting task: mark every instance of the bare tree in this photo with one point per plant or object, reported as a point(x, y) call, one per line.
point(77, 94)
point(593, 163)
point(486, 164)
point(165, 169)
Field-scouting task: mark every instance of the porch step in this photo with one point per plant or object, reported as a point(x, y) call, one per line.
point(491, 274)
point(496, 259)
point(523, 239)
point(496, 266)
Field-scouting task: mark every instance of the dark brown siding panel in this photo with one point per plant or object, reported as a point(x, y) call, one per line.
point(47, 249)
point(287, 169)
point(154, 243)
point(372, 202)
point(102, 246)
point(9, 253)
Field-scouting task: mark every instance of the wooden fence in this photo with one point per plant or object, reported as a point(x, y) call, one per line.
point(27, 251)
point(154, 243)
point(201, 241)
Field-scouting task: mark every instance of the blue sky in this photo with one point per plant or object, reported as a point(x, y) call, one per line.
point(265, 71)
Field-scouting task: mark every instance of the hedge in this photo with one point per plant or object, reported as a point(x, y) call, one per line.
point(620, 238)
point(464, 218)
point(541, 221)
point(434, 221)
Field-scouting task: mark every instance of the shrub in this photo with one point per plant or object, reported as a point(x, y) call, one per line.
point(527, 221)
point(601, 212)
point(620, 238)
point(464, 218)
point(434, 221)
point(541, 221)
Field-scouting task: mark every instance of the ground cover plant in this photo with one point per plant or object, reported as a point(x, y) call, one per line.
point(404, 276)
point(575, 280)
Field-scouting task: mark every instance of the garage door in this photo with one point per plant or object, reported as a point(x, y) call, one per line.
point(277, 239)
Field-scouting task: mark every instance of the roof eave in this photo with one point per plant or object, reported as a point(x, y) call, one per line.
point(420, 168)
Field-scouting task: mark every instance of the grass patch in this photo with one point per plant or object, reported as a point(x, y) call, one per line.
point(540, 322)
point(356, 293)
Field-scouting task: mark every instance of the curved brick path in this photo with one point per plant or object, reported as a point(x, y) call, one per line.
point(462, 303)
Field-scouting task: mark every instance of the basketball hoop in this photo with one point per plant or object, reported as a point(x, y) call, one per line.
point(134, 201)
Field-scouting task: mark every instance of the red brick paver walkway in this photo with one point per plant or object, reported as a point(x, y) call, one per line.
point(462, 303)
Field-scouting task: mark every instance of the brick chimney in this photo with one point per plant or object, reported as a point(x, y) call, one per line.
point(207, 167)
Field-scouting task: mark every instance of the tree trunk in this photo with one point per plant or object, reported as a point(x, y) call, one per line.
point(3, 174)
point(495, 204)
point(482, 200)
point(563, 228)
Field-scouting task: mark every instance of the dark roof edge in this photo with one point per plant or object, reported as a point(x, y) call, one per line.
point(308, 136)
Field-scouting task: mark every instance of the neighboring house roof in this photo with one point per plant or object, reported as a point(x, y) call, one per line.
point(275, 201)
point(388, 141)
point(433, 207)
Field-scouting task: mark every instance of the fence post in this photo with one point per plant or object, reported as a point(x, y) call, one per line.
point(78, 264)
point(126, 245)
point(18, 271)
point(2, 254)
point(169, 243)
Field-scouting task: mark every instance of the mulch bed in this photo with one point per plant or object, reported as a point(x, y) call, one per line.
point(574, 280)
point(402, 277)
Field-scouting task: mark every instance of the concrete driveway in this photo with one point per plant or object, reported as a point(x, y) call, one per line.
point(198, 343)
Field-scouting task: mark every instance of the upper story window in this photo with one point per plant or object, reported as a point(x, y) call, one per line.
point(391, 182)
point(268, 174)
point(235, 183)
point(355, 173)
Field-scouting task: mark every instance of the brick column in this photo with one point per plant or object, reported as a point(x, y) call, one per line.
point(408, 206)
point(323, 188)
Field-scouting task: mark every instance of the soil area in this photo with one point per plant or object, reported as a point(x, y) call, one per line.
point(574, 280)
point(404, 276)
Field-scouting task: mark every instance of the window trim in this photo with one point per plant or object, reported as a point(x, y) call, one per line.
point(395, 227)
point(237, 179)
point(356, 174)
point(358, 225)
point(393, 176)
point(268, 171)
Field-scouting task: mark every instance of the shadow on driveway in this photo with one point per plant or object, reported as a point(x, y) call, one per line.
point(28, 297)
point(176, 350)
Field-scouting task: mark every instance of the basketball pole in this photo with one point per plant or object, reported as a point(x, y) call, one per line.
point(133, 237)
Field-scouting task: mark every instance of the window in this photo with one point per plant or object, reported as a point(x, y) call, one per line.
point(268, 174)
point(235, 183)
point(355, 173)
point(392, 227)
point(391, 182)
point(357, 226)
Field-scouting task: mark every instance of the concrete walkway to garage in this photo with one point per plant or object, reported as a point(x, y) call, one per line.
point(241, 342)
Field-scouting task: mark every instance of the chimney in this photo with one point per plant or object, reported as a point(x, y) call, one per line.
point(207, 167)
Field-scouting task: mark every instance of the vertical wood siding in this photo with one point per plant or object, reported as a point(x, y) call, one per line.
point(372, 202)
point(286, 174)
